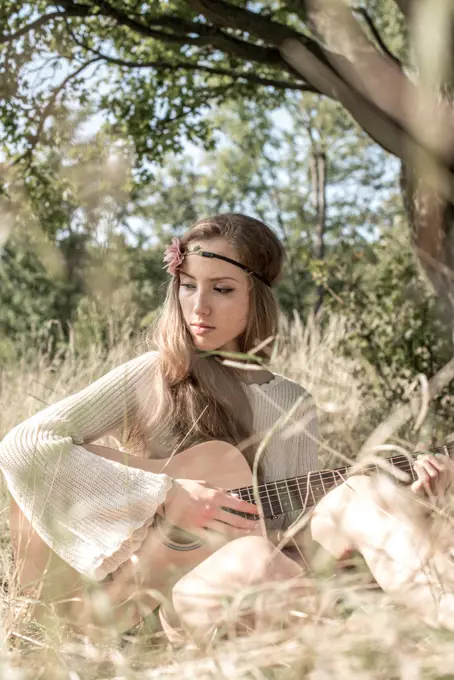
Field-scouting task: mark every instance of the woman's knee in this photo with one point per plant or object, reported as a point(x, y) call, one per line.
point(242, 562)
point(202, 596)
point(255, 560)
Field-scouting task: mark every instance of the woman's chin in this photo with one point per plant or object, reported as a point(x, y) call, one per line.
point(204, 343)
point(210, 343)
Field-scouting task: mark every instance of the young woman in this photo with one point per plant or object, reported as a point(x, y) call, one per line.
point(101, 511)
point(105, 513)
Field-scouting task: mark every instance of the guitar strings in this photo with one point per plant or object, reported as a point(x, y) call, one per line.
point(304, 489)
point(284, 500)
point(308, 489)
point(323, 475)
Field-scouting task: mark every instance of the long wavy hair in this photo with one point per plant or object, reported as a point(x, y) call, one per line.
point(197, 398)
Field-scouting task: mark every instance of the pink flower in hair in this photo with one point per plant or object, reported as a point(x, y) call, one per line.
point(174, 256)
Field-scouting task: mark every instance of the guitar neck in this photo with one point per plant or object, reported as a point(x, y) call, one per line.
point(302, 493)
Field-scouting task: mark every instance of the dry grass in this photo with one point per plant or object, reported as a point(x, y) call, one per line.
point(342, 627)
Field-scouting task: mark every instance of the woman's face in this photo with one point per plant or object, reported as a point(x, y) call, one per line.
point(215, 295)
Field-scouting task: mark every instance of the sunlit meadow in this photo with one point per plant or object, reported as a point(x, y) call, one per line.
point(342, 627)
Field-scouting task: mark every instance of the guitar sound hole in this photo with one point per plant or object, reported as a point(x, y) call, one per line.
point(174, 537)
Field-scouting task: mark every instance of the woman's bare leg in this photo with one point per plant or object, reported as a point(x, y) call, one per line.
point(207, 597)
point(387, 525)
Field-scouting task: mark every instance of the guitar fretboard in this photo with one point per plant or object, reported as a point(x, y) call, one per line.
point(302, 493)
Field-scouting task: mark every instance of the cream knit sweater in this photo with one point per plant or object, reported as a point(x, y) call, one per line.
point(95, 513)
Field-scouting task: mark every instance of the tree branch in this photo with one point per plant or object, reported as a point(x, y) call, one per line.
point(379, 40)
point(235, 75)
point(383, 130)
point(198, 34)
point(222, 13)
point(162, 65)
point(203, 35)
point(426, 116)
point(48, 108)
point(176, 24)
point(41, 21)
point(206, 35)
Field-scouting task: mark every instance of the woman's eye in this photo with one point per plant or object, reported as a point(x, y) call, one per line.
point(190, 286)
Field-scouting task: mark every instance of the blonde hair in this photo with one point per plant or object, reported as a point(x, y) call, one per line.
point(197, 398)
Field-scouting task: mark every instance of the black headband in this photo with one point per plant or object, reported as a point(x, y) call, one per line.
point(206, 253)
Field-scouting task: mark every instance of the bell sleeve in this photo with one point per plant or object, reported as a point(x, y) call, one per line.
point(93, 512)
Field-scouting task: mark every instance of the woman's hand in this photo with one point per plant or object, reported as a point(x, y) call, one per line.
point(196, 505)
point(435, 474)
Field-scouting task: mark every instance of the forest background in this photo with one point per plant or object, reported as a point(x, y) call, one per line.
point(106, 158)
point(123, 122)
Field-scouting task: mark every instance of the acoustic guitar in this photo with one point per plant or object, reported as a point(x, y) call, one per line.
point(167, 552)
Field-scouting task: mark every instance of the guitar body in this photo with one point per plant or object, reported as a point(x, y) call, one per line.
point(166, 554)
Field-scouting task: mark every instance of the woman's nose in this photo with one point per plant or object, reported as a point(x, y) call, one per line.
point(201, 305)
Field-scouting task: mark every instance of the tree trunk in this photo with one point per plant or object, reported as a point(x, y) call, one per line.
point(431, 223)
point(412, 120)
point(318, 171)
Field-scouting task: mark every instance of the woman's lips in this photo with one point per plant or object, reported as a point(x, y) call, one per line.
point(201, 330)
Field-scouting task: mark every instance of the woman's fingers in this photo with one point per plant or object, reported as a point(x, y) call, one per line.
point(221, 502)
point(235, 520)
point(422, 486)
point(232, 501)
point(231, 532)
point(427, 466)
point(192, 503)
point(432, 474)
